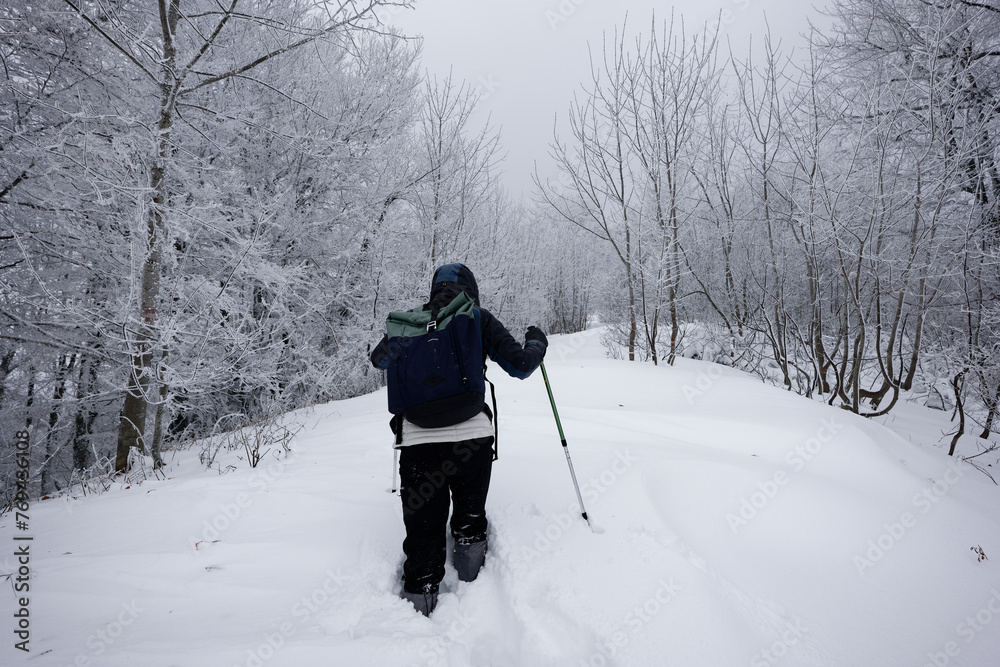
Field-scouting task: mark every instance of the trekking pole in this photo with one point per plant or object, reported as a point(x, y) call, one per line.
point(395, 467)
point(562, 436)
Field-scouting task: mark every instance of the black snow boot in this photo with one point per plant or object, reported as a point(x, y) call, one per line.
point(468, 559)
point(422, 602)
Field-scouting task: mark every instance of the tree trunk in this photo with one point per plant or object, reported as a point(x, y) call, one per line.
point(674, 281)
point(64, 364)
point(85, 415)
point(161, 407)
point(30, 399)
point(633, 327)
point(132, 427)
point(991, 415)
point(956, 385)
point(6, 365)
point(911, 372)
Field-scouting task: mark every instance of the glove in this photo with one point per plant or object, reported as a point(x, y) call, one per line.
point(534, 333)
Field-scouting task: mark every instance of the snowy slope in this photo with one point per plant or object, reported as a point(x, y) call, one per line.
point(737, 525)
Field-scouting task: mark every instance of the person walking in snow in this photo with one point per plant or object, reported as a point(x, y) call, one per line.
point(443, 426)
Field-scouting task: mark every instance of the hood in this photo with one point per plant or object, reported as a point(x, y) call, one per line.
point(451, 280)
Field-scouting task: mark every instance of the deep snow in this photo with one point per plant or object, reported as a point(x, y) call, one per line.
point(737, 525)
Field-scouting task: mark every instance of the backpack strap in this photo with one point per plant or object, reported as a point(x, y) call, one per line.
point(396, 424)
point(494, 416)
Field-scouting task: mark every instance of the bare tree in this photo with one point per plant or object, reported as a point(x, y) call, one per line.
point(669, 96)
point(597, 191)
point(628, 171)
point(190, 53)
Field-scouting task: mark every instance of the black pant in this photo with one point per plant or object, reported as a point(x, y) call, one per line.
point(427, 474)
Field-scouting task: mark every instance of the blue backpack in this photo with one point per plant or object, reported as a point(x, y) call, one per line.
point(435, 373)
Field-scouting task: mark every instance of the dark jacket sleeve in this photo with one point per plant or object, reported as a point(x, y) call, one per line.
point(500, 346)
point(380, 355)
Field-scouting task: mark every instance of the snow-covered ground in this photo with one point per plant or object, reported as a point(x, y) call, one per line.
point(735, 524)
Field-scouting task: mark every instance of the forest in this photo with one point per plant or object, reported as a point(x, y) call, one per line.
point(208, 207)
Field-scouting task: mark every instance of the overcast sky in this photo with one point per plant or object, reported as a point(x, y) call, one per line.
point(527, 57)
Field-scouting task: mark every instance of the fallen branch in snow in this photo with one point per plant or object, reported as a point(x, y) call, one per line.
point(968, 459)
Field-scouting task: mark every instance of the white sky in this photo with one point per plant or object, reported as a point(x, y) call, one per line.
point(528, 57)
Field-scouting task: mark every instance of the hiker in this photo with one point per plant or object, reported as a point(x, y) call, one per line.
point(450, 452)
